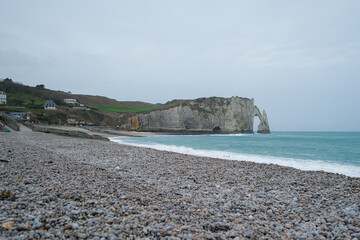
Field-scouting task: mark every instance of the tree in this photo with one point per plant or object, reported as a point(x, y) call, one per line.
point(40, 86)
point(7, 80)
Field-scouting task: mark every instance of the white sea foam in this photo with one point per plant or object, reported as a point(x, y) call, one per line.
point(230, 135)
point(307, 165)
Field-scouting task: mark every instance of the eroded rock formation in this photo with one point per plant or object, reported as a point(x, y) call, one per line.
point(263, 126)
point(220, 115)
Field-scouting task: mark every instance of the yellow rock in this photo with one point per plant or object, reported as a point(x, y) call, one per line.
point(134, 123)
point(8, 225)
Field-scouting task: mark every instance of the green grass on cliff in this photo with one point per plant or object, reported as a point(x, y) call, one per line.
point(23, 99)
point(107, 108)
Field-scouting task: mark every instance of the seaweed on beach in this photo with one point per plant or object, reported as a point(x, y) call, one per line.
point(7, 195)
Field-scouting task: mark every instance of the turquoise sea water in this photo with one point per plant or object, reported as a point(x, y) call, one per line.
point(337, 152)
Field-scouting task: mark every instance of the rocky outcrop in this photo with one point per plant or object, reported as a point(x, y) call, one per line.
point(263, 126)
point(220, 115)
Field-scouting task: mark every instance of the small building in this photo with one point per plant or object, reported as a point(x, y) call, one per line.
point(30, 117)
point(2, 97)
point(24, 116)
point(71, 101)
point(50, 105)
point(18, 115)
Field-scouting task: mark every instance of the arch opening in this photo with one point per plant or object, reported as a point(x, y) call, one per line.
point(256, 123)
point(216, 129)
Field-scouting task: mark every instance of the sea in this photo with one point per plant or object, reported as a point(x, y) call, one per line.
point(336, 152)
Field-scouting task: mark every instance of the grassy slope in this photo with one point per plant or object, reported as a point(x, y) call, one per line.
point(22, 95)
point(105, 110)
point(95, 101)
point(25, 98)
point(115, 109)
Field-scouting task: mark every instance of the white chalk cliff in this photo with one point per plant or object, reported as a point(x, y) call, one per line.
point(220, 115)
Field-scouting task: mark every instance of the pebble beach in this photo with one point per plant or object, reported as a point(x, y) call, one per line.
point(57, 187)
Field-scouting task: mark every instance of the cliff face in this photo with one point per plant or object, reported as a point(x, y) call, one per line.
point(222, 115)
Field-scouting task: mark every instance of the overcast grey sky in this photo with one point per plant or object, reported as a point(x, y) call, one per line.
point(299, 60)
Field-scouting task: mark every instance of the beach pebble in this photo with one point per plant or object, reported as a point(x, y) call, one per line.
point(8, 225)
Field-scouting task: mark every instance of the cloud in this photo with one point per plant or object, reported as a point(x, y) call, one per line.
point(297, 57)
point(15, 59)
point(160, 50)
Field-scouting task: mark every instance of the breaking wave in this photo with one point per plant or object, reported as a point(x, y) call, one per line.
point(302, 164)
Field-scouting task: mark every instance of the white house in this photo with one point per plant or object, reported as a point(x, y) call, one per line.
point(71, 101)
point(50, 105)
point(2, 98)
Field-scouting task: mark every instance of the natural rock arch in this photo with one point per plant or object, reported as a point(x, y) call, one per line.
point(263, 126)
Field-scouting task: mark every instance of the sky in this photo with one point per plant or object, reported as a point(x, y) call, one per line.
point(299, 60)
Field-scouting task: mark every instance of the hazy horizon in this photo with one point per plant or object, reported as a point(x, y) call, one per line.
point(300, 61)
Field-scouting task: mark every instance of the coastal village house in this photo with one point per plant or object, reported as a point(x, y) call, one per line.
point(50, 105)
point(2, 97)
point(74, 102)
point(71, 101)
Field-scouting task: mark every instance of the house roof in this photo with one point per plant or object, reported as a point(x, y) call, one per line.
point(49, 103)
point(17, 113)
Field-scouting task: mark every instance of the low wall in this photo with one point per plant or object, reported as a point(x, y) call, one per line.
point(9, 121)
point(78, 134)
